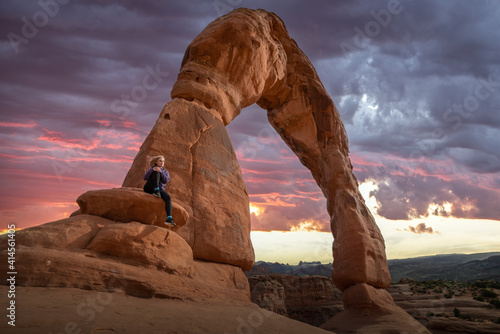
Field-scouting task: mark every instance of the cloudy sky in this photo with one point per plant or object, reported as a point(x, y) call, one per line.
point(417, 84)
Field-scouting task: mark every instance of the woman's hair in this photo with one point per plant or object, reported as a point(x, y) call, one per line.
point(154, 160)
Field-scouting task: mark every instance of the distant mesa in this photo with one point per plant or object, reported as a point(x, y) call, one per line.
point(241, 58)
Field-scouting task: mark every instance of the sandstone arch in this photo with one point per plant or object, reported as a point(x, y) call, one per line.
point(242, 58)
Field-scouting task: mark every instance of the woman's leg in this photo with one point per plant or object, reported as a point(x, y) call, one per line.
point(168, 202)
point(153, 183)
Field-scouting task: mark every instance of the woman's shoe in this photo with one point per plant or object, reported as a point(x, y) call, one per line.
point(170, 221)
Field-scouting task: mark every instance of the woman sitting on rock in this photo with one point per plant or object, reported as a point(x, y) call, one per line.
point(157, 178)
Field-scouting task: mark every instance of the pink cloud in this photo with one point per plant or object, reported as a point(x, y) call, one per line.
point(59, 139)
point(31, 124)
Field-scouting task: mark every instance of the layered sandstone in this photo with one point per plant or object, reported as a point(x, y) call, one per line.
point(268, 294)
point(141, 260)
point(372, 310)
point(441, 306)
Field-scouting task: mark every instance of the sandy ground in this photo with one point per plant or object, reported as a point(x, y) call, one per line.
point(75, 311)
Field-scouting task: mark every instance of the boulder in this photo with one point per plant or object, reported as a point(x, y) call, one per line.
point(71, 233)
point(128, 205)
point(145, 245)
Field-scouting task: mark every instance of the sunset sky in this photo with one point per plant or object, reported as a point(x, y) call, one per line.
point(417, 84)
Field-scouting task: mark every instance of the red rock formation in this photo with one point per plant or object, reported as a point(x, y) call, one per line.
point(309, 299)
point(206, 181)
point(90, 252)
point(111, 264)
point(239, 59)
point(242, 58)
point(268, 293)
point(145, 245)
point(372, 310)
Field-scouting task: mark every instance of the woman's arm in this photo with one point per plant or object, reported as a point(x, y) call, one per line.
point(165, 176)
point(148, 174)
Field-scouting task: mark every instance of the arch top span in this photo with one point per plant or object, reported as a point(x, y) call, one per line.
point(234, 61)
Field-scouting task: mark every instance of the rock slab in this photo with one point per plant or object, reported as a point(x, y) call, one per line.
point(67, 310)
point(130, 204)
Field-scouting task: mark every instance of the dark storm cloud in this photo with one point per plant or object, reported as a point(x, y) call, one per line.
point(431, 81)
point(417, 84)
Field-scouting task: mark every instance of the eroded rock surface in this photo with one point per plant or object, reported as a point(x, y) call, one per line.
point(268, 293)
point(141, 260)
point(159, 247)
point(372, 310)
point(310, 299)
point(440, 306)
point(206, 181)
point(243, 58)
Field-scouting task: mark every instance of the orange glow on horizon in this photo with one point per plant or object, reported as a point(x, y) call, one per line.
point(5, 230)
point(307, 226)
point(255, 209)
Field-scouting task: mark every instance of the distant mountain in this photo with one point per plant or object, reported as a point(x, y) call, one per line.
point(302, 269)
point(457, 267)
